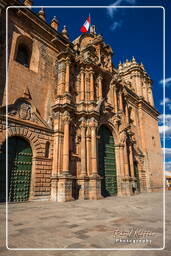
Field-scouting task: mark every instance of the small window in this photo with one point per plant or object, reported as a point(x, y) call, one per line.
point(47, 149)
point(23, 56)
point(153, 141)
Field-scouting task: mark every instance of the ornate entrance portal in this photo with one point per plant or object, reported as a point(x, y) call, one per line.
point(107, 163)
point(19, 170)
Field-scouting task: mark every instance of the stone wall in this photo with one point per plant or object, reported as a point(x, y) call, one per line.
point(41, 163)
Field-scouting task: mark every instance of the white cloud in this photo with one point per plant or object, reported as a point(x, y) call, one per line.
point(111, 10)
point(168, 166)
point(165, 101)
point(115, 25)
point(167, 152)
point(167, 81)
point(167, 118)
point(166, 129)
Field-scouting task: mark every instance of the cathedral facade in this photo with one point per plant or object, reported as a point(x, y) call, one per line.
point(73, 125)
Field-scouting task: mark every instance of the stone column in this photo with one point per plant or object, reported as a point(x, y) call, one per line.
point(67, 75)
point(83, 147)
point(91, 85)
point(128, 183)
point(62, 82)
point(56, 160)
point(95, 179)
point(87, 85)
point(100, 78)
point(61, 78)
point(123, 190)
point(126, 163)
point(122, 166)
point(125, 184)
point(131, 160)
point(82, 84)
point(120, 101)
point(93, 146)
point(127, 114)
point(83, 179)
point(88, 148)
point(66, 142)
point(118, 169)
point(65, 179)
point(115, 99)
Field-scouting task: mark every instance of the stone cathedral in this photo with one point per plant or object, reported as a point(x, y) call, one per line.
point(78, 127)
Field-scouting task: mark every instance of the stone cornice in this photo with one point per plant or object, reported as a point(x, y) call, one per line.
point(127, 70)
point(148, 108)
point(41, 27)
point(67, 106)
point(26, 123)
point(136, 100)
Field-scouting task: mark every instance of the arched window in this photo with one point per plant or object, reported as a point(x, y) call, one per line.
point(23, 55)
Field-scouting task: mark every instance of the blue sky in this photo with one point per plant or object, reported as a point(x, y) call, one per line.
point(131, 32)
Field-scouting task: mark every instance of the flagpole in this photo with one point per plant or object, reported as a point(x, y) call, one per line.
point(90, 19)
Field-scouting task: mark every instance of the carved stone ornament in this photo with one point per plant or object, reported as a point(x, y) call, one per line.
point(66, 117)
point(93, 122)
point(25, 111)
point(122, 137)
point(83, 122)
point(116, 119)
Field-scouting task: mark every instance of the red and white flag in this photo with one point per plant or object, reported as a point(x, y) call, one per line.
point(86, 25)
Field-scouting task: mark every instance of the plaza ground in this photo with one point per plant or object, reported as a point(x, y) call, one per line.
point(87, 224)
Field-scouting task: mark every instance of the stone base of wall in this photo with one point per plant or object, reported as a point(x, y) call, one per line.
point(95, 187)
point(83, 184)
point(65, 187)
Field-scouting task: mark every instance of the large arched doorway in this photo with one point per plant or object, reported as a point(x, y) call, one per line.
point(19, 170)
point(107, 162)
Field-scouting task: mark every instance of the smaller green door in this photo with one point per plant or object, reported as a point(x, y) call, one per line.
point(3, 174)
point(19, 169)
point(136, 173)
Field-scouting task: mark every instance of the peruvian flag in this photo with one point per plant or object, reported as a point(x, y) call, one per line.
point(86, 25)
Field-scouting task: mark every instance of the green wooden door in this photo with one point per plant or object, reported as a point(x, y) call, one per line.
point(2, 174)
point(107, 163)
point(136, 173)
point(19, 169)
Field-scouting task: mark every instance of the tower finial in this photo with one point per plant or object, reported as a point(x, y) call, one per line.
point(93, 30)
point(42, 14)
point(28, 2)
point(65, 32)
point(120, 65)
point(54, 23)
point(133, 60)
point(142, 66)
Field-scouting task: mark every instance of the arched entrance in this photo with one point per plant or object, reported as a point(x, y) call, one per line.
point(19, 170)
point(107, 163)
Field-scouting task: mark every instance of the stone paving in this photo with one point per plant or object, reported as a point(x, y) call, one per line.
point(86, 224)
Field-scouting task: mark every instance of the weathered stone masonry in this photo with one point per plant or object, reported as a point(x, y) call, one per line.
point(92, 127)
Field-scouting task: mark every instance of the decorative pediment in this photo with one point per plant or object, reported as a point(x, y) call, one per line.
point(89, 55)
point(23, 109)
